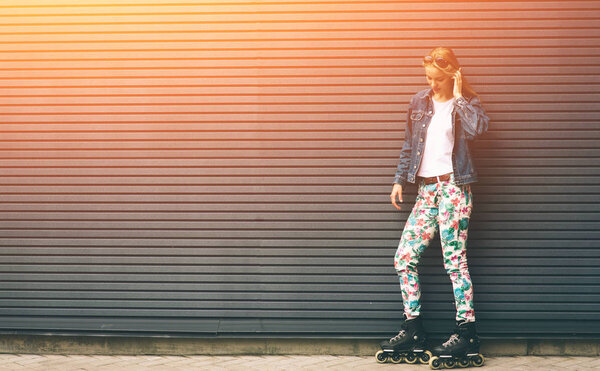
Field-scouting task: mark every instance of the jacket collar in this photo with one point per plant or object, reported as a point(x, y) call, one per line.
point(428, 93)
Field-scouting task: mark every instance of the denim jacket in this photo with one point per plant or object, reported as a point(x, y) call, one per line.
point(468, 121)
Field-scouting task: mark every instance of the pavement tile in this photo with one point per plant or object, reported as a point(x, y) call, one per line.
point(572, 362)
point(27, 359)
point(10, 362)
point(594, 363)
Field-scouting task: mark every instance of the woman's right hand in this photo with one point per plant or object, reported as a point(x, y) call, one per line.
point(396, 195)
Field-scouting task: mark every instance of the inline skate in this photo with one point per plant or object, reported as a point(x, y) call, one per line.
point(461, 349)
point(408, 346)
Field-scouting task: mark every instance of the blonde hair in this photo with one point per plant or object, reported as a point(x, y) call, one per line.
point(448, 55)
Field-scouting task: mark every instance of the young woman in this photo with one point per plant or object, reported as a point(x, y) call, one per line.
point(441, 122)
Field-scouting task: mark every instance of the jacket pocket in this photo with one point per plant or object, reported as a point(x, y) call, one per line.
point(416, 116)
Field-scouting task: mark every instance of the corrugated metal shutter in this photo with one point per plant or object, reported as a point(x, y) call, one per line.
point(220, 168)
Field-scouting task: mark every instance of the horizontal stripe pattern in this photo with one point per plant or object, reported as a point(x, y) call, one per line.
point(223, 168)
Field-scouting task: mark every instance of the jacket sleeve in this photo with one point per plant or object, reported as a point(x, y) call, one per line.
point(472, 115)
point(405, 153)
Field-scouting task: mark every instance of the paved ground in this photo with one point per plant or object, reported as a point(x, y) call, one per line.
point(268, 363)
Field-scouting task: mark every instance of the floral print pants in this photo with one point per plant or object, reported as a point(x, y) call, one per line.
point(446, 206)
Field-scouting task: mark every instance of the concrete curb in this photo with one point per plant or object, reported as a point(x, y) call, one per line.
point(99, 345)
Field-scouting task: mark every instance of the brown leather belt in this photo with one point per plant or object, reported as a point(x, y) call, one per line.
point(435, 179)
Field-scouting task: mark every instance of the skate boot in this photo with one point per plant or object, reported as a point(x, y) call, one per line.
point(461, 349)
point(408, 346)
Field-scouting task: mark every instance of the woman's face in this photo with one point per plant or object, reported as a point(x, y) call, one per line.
point(441, 83)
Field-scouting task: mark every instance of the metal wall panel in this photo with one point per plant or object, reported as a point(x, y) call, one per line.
point(223, 168)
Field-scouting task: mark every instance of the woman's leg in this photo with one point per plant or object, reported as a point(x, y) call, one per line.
point(418, 232)
point(455, 207)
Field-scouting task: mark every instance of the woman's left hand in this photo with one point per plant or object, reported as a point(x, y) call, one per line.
point(457, 84)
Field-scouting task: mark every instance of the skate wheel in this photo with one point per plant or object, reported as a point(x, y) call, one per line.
point(435, 363)
point(425, 357)
point(411, 358)
point(396, 358)
point(381, 357)
point(478, 360)
point(464, 362)
point(450, 363)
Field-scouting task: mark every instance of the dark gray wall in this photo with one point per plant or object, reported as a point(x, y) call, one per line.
point(213, 169)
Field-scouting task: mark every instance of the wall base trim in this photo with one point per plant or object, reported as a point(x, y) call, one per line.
point(105, 345)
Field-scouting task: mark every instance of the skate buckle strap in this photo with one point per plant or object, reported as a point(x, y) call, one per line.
point(453, 339)
point(400, 335)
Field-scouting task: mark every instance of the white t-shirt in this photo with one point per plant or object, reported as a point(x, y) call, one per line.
point(437, 156)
